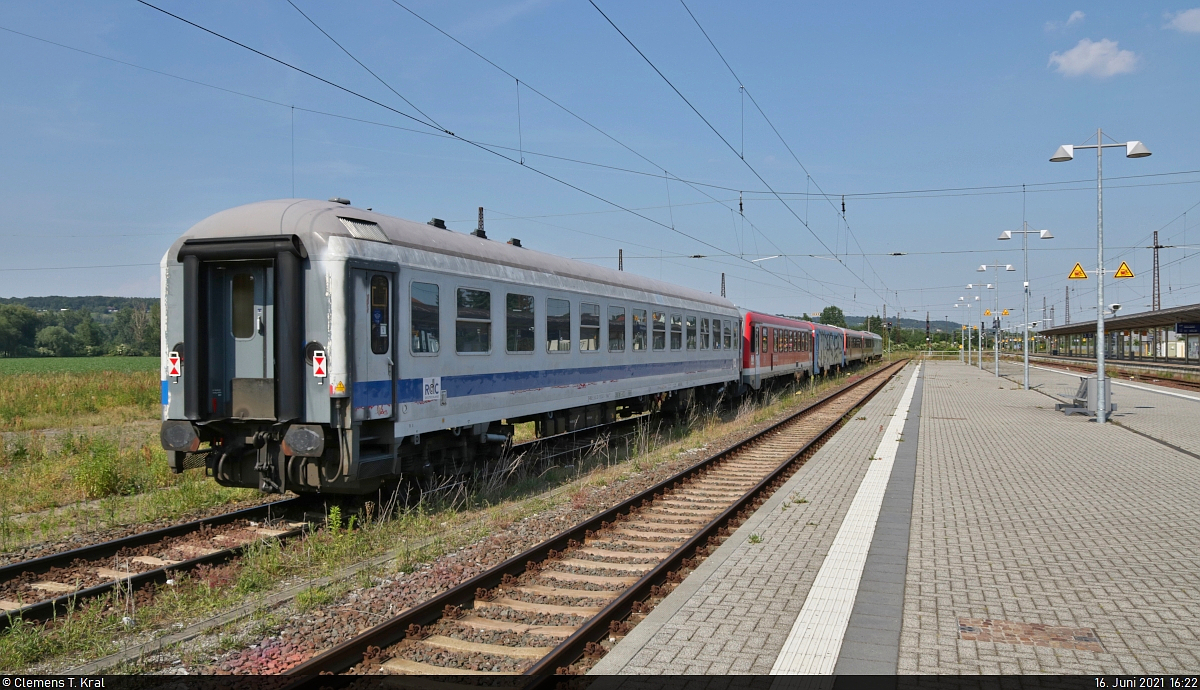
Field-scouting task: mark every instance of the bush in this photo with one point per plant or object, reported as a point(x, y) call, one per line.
point(102, 472)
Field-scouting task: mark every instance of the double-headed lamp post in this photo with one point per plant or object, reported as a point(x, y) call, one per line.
point(1066, 152)
point(1025, 232)
point(995, 328)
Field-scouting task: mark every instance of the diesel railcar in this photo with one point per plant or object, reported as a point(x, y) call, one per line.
point(863, 346)
point(314, 346)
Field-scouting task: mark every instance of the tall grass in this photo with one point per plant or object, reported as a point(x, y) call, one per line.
point(63, 399)
point(78, 482)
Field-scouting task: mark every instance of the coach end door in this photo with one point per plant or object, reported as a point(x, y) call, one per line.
point(241, 363)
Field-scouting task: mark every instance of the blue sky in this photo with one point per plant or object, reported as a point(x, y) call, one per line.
point(104, 163)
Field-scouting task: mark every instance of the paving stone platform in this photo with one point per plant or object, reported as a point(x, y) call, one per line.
point(1162, 412)
point(1038, 543)
point(735, 612)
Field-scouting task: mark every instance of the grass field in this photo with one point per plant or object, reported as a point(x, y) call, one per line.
point(64, 392)
point(59, 365)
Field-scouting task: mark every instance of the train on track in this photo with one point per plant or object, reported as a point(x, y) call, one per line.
point(316, 347)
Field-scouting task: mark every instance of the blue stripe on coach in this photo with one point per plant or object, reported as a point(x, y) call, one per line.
point(409, 390)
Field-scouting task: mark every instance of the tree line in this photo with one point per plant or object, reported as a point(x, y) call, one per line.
point(120, 326)
point(897, 336)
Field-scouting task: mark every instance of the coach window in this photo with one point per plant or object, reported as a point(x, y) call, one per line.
point(243, 305)
point(424, 318)
point(639, 329)
point(660, 330)
point(763, 344)
point(676, 331)
point(589, 326)
point(704, 334)
point(518, 314)
point(473, 328)
point(558, 325)
point(728, 335)
point(616, 329)
point(691, 333)
point(380, 315)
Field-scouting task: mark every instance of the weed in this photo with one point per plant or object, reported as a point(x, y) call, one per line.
point(756, 539)
point(334, 521)
point(312, 598)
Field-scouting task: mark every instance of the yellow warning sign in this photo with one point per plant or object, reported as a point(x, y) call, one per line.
point(1123, 271)
point(987, 312)
point(1004, 313)
point(1077, 273)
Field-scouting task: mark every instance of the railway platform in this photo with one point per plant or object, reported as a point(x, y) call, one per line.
point(957, 524)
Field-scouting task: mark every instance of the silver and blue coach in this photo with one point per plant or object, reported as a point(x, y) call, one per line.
point(314, 346)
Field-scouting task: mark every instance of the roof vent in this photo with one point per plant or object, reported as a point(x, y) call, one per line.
point(438, 223)
point(339, 200)
point(515, 242)
point(364, 229)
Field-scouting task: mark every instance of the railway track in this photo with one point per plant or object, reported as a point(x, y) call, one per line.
point(43, 587)
point(40, 588)
point(1120, 373)
point(555, 606)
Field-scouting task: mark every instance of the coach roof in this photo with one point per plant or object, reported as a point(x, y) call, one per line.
point(314, 221)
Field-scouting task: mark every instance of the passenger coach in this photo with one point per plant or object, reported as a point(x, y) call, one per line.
point(778, 346)
point(314, 346)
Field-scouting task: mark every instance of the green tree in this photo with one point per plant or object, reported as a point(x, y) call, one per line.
point(88, 334)
point(18, 328)
point(56, 340)
point(833, 316)
point(135, 331)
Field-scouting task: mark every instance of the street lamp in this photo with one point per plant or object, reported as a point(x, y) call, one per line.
point(974, 286)
point(1025, 232)
point(961, 330)
point(1133, 149)
point(996, 322)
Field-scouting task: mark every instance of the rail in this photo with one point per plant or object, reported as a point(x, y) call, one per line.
point(350, 653)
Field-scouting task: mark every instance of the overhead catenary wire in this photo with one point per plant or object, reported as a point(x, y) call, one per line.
point(1014, 188)
point(695, 186)
point(476, 144)
point(429, 124)
point(292, 108)
point(808, 175)
point(726, 142)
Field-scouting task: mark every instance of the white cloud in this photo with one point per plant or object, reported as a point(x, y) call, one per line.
point(1076, 17)
point(1100, 59)
point(1187, 21)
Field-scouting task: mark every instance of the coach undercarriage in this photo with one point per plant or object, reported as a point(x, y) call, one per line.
point(311, 458)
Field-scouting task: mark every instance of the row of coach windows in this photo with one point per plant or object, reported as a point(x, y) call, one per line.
point(789, 341)
point(473, 325)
